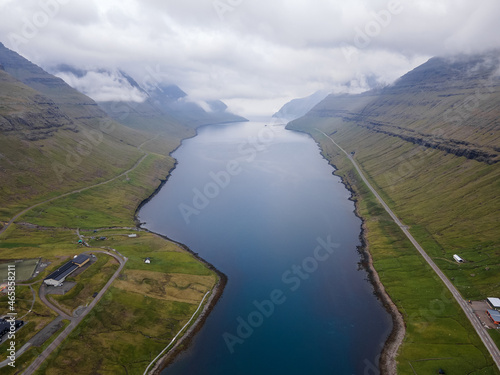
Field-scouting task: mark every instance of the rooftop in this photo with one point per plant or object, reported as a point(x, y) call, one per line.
point(495, 315)
point(68, 267)
point(495, 302)
point(82, 258)
point(63, 271)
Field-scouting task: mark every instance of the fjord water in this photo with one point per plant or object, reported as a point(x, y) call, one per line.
point(261, 204)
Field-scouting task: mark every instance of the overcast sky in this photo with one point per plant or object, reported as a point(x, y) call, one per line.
point(255, 55)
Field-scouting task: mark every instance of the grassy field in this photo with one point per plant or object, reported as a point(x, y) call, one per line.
point(35, 320)
point(145, 308)
point(108, 204)
point(142, 312)
point(146, 305)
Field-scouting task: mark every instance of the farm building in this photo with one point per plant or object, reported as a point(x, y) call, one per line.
point(58, 276)
point(132, 235)
point(493, 302)
point(458, 259)
point(494, 315)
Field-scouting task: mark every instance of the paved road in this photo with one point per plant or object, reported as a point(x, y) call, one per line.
point(42, 293)
point(74, 321)
point(481, 331)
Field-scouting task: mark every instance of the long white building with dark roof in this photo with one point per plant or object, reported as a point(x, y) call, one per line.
point(58, 276)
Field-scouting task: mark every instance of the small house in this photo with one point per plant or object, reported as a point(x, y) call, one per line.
point(458, 259)
point(132, 235)
point(147, 260)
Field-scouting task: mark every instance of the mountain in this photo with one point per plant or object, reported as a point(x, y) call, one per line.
point(52, 137)
point(154, 106)
point(430, 145)
point(447, 103)
point(67, 171)
point(299, 107)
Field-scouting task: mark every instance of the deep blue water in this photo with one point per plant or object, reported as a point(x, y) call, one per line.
point(261, 204)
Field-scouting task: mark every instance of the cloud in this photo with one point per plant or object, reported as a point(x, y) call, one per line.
point(254, 55)
point(104, 86)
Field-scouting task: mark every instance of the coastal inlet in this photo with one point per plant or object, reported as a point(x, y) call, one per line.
point(261, 204)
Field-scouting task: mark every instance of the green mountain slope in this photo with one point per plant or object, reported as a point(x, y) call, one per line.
point(430, 145)
point(52, 138)
point(64, 164)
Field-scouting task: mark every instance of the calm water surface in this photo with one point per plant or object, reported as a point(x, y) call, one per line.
point(261, 204)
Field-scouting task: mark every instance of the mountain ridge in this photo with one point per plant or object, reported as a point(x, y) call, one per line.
point(432, 106)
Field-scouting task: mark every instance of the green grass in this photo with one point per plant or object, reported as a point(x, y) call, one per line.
point(110, 203)
point(29, 356)
point(37, 319)
point(126, 330)
point(129, 330)
point(141, 325)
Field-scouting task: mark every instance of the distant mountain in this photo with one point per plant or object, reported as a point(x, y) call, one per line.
point(155, 107)
point(299, 107)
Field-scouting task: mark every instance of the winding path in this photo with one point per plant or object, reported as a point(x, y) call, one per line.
point(481, 331)
point(17, 216)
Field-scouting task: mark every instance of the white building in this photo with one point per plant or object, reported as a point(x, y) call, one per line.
point(458, 259)
point(493, 302)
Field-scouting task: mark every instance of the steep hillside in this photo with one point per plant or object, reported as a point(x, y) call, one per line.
point(336, 108)
point(448, 104)
point(440, 175)
point(52, 138)
point(430, 145)
point(26, 113)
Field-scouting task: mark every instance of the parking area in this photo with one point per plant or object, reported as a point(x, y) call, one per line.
point(479, 308)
